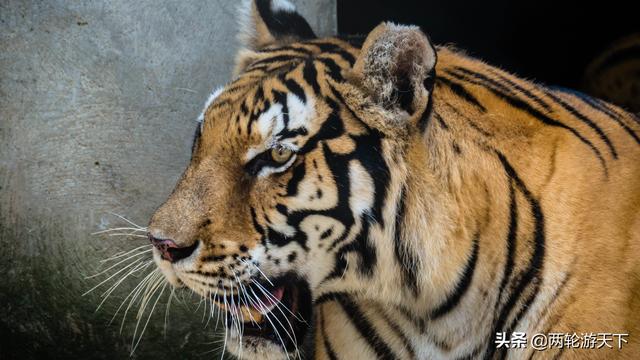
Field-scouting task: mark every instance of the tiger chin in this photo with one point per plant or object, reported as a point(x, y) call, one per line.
point(393, 199)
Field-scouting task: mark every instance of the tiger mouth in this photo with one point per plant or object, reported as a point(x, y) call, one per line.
point(279, 311)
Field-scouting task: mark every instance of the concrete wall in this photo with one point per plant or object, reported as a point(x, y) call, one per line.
point(97, 108)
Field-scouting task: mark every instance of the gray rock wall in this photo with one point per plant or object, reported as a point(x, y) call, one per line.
point(97, 108)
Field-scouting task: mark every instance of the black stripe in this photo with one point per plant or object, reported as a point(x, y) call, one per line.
point(481, 79)
point(463, 283)
point(257, 226)
point(461, 92)
point(196, 138)
point(336, 50)
point(573, 111)
point(511, 243)
point(468, 120)
point(325, 337)
point(335, 72)
point(531, 275)
point(527, 108)
point(272, 60)
point(406, 259)
point(310, 75)
point(428, 84)
point(533, 97)
point(597, 105)
point(329, 296)
point(556, 295)
point(399, 333)
point(291, 47)
point(296, 89)
point(367, 332)
point(298, 175)
point(440, 120)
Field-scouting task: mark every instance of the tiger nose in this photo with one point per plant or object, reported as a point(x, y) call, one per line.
point(170, 251)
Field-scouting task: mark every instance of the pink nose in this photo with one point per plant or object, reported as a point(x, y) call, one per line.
point(170, 251)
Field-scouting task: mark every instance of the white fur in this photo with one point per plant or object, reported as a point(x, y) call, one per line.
point(270, 121)
point(214, 94)
point(299, 112)
point(361, 199)
point(282, 5)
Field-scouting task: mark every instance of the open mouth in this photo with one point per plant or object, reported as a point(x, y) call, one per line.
point(278, 311)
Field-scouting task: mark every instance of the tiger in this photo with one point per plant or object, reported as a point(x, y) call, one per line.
point(395, 199)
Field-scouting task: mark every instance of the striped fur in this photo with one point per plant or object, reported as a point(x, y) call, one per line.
point(427, 207)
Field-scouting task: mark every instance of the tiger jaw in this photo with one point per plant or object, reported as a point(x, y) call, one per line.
point(271, 314)
point(280, 316)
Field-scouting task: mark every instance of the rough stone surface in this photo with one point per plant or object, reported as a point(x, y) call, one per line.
point(97, 108)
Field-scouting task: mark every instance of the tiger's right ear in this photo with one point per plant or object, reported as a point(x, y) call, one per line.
point(396, 67)
point(266, 23)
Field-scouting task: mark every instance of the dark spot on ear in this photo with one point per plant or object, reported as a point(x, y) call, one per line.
point(319, 193)
point(243, 248)
point(456, 148)
point(404, 94)
point(292, 256)
point(277, 261)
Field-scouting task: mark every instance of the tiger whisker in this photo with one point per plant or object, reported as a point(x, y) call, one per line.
point(125, 253)
point(141, 265)
point(127, 220)
point(116, 264)
point(148, 262)
point(245, 296)
point(277, 302)
point(119, 229)
point(109, 278)
point(135, 293)
point(292, 338)
point(257, 268)
point(129, 235)
point(226, 313)
point(166, 311)
point(164, 286)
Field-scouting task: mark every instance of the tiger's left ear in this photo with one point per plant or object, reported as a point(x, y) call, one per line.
point(266, 23)
point(396, 68)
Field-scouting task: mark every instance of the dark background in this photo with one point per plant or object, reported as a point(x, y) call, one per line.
point(549, 41)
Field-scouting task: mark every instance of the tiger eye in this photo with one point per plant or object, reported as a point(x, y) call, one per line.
point(281, 155)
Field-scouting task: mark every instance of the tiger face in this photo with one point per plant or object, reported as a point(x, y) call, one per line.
point(292, 165)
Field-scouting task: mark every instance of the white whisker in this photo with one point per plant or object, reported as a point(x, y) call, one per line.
point(116, 264)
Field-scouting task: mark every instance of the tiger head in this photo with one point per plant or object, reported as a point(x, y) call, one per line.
point(296, 177)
